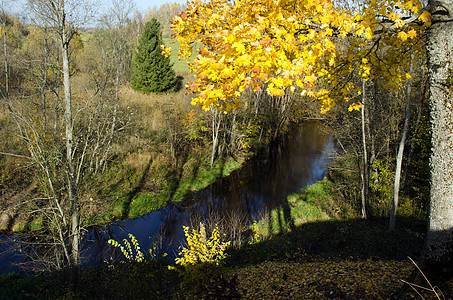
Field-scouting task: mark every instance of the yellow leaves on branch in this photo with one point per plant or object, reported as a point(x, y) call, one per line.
point(425, 17)
point(201, 248)
point(276, 45)
point(166, 51)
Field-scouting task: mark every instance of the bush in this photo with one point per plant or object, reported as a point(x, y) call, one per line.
point(201, 256)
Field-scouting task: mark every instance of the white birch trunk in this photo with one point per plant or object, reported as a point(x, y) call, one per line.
point(399, 158)
point(365, 159)
point(72, 190)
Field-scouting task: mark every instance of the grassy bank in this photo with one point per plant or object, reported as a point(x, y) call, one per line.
point(317, 254)
point(158, 185)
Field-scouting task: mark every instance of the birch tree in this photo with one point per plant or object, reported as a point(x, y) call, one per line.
point(64, 17)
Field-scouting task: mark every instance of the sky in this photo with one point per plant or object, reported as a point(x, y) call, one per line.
point(16, 6)
point(144, 5)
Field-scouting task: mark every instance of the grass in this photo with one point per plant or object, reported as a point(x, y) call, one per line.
point(179, 186)
point(180, 66)
point(136, 188)
point(315, 203)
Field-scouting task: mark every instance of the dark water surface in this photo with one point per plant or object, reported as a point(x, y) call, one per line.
point(262, 184)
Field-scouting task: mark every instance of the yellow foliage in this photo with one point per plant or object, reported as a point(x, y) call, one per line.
point(130, 252)
point(166, 51)
point(355, 106)
point(278, 45)
point(201, 249)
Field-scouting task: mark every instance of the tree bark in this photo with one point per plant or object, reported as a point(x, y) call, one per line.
point(74, 232)
point(365, 160)
point(216, 121)
point(439, 239)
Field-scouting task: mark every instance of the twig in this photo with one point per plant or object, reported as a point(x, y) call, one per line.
point(412, 285)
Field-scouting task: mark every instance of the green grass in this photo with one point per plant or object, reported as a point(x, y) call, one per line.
point(177, 187)
point(180, 66)
point(314, 203)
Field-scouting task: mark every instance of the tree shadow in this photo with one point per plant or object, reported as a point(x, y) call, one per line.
point(178, 84)
point(349, 239)
point(175, 177)
point(130, 196)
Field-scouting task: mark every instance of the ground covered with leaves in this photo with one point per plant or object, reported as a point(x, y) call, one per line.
point(323, 279)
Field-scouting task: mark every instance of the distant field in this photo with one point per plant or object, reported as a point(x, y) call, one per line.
point(180, 66)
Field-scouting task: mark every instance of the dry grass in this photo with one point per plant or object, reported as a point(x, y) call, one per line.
point(152, 111)
point(139, 160)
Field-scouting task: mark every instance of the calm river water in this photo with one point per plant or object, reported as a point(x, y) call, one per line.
point(262, 184)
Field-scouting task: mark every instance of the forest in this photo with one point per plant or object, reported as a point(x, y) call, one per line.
point(108, 114)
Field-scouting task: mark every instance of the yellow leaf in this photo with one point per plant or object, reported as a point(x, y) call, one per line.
point(412, 33)
point(402, 35)
point(166, 51)
point(425, 17)
point(368, 33)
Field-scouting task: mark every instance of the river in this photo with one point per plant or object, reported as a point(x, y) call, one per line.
point(262, 184)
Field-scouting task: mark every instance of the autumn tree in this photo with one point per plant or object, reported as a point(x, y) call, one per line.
point(277, 46)
point(152, 72)
point(12, 32)
point(115, 49)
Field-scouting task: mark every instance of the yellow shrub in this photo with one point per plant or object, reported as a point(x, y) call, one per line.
point(200, 249)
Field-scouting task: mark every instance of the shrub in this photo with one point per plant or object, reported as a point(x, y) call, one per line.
point(201, 256)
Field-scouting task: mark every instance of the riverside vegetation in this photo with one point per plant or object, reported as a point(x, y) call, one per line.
point(315, 253)
point(133, 153)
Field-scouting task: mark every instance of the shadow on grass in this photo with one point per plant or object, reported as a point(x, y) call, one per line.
point(347, 239)
point(178, 84)
point(192, 181)
point(130, 196)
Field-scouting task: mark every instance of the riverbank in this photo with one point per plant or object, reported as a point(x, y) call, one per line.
point(130, 195)
point(321, 256)
point(162, 153)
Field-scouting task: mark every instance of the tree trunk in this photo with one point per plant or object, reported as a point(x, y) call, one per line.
point(365, 160)
point(74, 232)
point(5, 53)
point(439, 239)
point(399, 158)
point(216, 121)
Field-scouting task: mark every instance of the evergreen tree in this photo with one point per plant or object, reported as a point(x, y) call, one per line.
point(151, 71)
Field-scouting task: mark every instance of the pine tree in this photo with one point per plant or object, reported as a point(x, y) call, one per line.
point(151, 71)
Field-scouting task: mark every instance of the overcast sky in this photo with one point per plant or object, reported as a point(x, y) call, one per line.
point(144, 5)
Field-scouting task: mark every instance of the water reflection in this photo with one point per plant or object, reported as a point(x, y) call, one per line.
point(262, 184)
